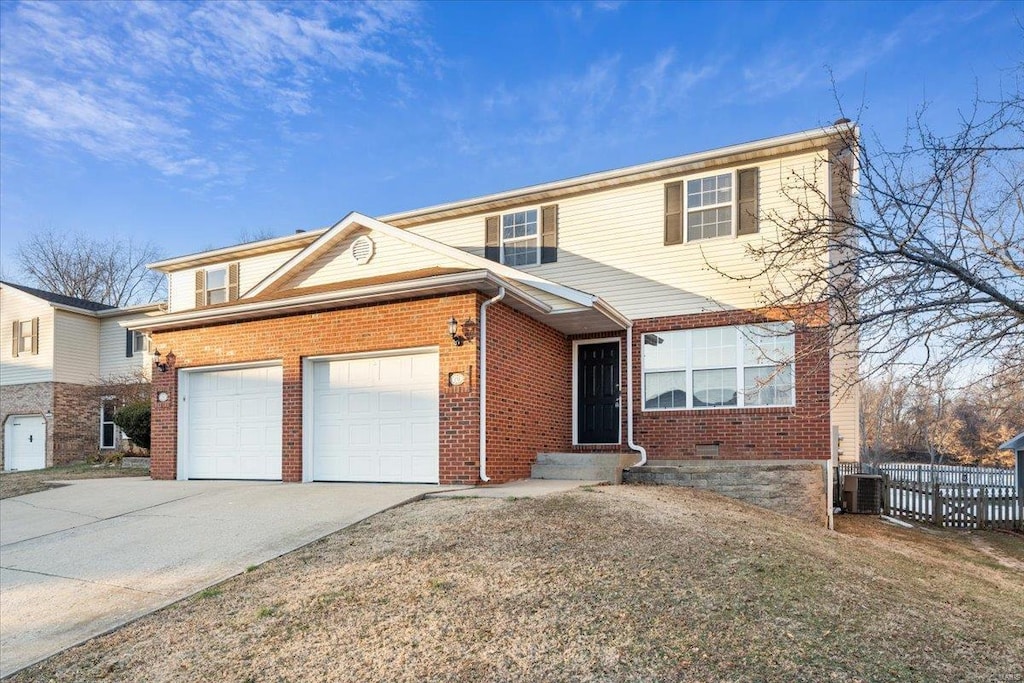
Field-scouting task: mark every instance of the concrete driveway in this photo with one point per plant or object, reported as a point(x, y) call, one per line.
point(80, 560)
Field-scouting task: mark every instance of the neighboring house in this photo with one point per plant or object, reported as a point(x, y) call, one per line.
point(63, 373)
point(456, 343)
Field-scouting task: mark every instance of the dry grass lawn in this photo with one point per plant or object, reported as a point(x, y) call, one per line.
point(607, 584)
point(19, 483)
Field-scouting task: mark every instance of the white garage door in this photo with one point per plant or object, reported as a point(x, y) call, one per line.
point(25, 443)
point(376, 419)
point(234, 423)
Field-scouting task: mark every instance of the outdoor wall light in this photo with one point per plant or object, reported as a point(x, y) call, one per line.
point(162, 367)
point(453, 330)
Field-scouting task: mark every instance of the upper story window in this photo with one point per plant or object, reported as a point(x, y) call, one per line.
point(520, 242)
point(709, 207)
point(136, 342)
point(719, 205)
point(216, 285)
point(719, 367)
point(25, 337)
point(523, 238)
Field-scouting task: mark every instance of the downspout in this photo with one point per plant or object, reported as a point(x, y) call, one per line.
point(629, 399)
point(483, 381)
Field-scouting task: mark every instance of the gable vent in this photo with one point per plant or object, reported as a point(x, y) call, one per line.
point(362, 250)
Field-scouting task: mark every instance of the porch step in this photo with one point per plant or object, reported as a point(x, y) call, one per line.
point(582, 466)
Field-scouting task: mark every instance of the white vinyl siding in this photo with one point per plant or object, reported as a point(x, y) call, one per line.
point(113, 361)
point(390, 255)
point(27, 367)
point(181, 285)
point(611, 244)
point(76, 338)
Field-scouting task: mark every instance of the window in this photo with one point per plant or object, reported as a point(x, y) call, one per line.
point(709, 207)
point(522, 238)
point(108, 430)
point(216, 286)
point(719, 367)
point(25, 336)
point(136, 342)
point(520, 241)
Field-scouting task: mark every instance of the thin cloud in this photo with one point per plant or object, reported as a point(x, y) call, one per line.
point(137, 82)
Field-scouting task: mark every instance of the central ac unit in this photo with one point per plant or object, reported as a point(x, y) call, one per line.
point(862, 493)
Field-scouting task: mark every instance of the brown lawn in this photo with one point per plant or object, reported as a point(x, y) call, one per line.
point(606, 584)
point(19, 483)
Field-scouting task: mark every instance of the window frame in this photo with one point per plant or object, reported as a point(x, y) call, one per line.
point(732, 203)
point(103, 423)
point(538, 236)
point(739, 367)
point(25, 340)
point(226, 288)
point(137, 347)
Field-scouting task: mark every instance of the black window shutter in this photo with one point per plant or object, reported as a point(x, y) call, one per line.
point(674, 213)
point(747, 204)
point(492, 238)
point(549, 233)
point(129, 346)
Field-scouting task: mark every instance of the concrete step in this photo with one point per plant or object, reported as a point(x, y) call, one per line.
point(581, 466)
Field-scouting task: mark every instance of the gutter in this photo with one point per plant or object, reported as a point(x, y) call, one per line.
point(629, 400)
point(483, 381)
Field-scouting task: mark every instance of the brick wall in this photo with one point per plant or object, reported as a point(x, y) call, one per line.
point(76, 422)
point(290, 338)
point(529, 384)
point(800, 432)
point(27, 399)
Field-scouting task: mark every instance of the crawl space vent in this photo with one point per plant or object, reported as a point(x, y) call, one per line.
point(362, 250)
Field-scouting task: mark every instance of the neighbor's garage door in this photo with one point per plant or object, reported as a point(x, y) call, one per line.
point(234, 423)
point(376, 419)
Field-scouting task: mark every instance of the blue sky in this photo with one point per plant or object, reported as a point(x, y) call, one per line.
point(196, 124)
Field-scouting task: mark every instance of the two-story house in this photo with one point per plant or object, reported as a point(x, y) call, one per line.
point(456, 343)
point(63, 374)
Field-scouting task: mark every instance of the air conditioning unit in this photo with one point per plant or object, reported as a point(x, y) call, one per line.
point(862, 493)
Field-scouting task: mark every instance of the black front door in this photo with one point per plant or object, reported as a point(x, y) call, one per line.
point(597, 393)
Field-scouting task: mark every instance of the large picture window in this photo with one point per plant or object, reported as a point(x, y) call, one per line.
point(719, 367)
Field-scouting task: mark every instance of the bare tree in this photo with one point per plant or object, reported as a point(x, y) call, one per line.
point(111, 271)
point(924, 246)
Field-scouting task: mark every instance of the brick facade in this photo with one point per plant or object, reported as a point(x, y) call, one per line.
point(529, 378)
point(291, 338)
point(800, 432)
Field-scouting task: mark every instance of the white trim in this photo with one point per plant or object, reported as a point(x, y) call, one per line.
point(576, 343)
point(483, 381)
point(184, 375)
point(308, 473)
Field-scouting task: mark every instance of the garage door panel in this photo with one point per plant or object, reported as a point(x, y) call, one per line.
point(234, 424)
point(387, 425)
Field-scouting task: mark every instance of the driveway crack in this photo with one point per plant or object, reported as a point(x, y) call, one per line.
point(95, 583)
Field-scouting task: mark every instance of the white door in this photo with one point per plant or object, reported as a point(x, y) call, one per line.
point(25, 443)
point(376, 419)
point(234, 423)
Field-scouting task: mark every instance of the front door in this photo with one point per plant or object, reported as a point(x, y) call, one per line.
point(597, 393)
